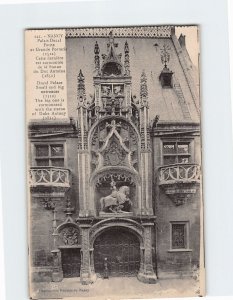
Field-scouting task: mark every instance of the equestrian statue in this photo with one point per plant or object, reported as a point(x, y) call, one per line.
point(118, 201)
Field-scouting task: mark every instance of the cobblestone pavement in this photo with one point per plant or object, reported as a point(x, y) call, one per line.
point(114, 288)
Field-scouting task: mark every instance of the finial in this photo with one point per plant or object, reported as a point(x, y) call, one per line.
point(143, 87)
point(126, 47)
point(165, 55)
point(80, 75)
point(111, 40)
point(69, 210)
point(126, 63)
point(97, 58)
point(96, 49)
point(81, 87)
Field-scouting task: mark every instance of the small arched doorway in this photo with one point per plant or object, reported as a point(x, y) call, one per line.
point(121, 248)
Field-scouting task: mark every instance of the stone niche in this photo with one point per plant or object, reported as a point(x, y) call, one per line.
point(115, 194)
point(114, 143)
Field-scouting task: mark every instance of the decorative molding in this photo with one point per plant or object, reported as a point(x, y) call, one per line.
point(138, 31)
point(180, 193)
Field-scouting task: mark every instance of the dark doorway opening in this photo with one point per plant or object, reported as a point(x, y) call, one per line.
point(71, 262)
point(122, 250)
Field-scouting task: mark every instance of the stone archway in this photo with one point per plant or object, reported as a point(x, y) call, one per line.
point(137, 234)
point(132, 234)
point(120, 248)
point(67, 251)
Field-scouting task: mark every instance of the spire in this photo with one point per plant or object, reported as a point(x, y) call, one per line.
point(143, 89)
point(97, 58)
point(111, 61)
point(126, 63)
point(81, 93)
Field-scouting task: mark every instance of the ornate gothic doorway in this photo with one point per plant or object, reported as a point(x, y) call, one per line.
point(122, 250)
point(71, 262)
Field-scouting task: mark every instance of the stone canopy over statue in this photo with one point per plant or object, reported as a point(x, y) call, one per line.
point(118, 201)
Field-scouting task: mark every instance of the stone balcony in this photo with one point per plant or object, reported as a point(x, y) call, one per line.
point(179, 173)
point(49, 180)
point(179, 181)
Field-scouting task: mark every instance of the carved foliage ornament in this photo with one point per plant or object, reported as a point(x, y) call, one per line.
point(180, 196)
point(116, 176)
point(48, 203)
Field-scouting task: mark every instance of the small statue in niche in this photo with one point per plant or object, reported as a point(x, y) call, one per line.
point(118, 201)
point(106, 90)
point(118, 90)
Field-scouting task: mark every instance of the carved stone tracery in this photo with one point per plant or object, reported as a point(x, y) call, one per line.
point(114, 143)
point(117, 176)
point(114, 154)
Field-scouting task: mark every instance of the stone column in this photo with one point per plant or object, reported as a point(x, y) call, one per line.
point(84, 173)
point(146, 273)
point(57, 274)
point(142, 250)
point(146, 190)
point(93, 274)
point(86, 272)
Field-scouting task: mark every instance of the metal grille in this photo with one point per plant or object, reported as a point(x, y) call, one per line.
point(178, 236)
point(122, 250)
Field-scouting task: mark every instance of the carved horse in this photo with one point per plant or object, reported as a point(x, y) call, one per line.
point(116, 201)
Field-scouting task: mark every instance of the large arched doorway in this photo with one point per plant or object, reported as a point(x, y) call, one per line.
point(122, 250)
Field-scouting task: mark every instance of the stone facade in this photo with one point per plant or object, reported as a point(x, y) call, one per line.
point(117, 164)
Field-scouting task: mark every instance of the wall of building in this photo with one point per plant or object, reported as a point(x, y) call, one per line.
point(163, 102)
point(173, 262)
point(41, 218)
point(170, 261)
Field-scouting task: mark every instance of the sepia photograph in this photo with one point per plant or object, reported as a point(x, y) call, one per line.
point(114, 173)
